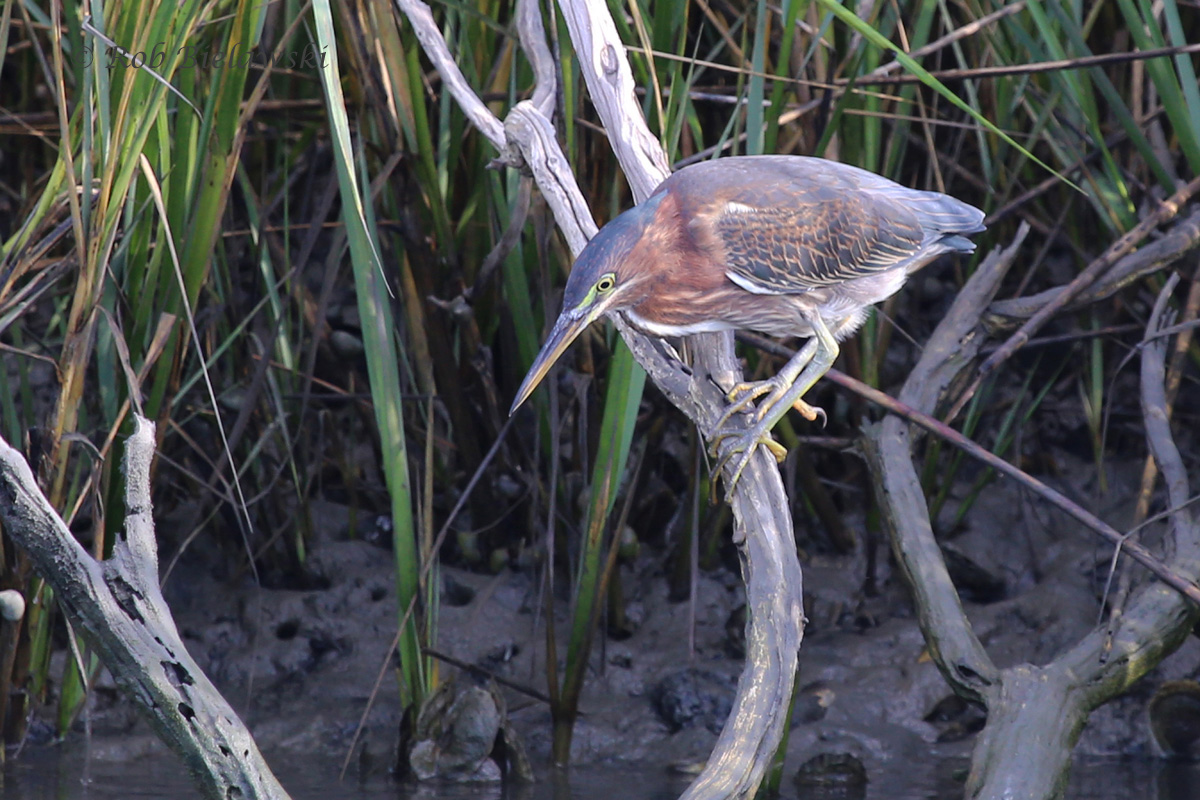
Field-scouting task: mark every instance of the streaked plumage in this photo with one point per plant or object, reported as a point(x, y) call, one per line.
point(784, 245)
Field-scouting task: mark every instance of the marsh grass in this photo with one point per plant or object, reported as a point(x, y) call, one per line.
point(275, 265)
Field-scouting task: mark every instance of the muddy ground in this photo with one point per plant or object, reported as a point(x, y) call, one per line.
point(301, 665)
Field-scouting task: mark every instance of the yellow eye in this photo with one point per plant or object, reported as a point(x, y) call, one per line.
point(606, 283)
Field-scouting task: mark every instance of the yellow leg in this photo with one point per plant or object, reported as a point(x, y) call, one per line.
point(742, 395)
point(787, 390)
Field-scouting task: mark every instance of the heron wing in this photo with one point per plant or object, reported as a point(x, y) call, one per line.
point(791, 244)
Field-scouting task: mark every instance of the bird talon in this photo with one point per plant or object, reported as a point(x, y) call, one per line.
point(740, 397)
point(751, 390)
point(730, 482)
point(716, 438)
point(743, 446)
point(810, 413)
point(779, 451)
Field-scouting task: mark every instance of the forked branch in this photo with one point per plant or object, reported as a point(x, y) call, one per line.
point(764, 529)
point(118, 606)
point(1027, 703)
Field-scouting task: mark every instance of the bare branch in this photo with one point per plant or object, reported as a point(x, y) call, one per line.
point(1159, 254)
point(119, 608)
point(764, 534)
point(958, 653)
point(611, 87)
point(764, 526)
point(1168, 209)
point(434, 45)
point(1154, 410)
point(136, 546)
point(531, 139)
point(1050, 704)
point(533, 42)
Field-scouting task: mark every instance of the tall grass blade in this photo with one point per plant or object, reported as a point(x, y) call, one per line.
point(382, 353)
point(880, 41)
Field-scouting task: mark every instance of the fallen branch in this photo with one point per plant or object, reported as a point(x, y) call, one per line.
point(1121, 541)
point(1183, 237)
point(118, 607)
point(1166, 210)
point(956, 650)
point(1026, 703)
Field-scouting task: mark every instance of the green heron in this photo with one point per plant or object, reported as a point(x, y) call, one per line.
point(783, 245)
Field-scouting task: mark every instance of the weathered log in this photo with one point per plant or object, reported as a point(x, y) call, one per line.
point(117, 605)
point(1035, 714)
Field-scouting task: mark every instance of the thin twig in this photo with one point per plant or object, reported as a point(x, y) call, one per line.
point(1136, 551)
point(1034, 68)
point(1166, 210)
point(477, 670)
point(436, 51)
point(1176, 242)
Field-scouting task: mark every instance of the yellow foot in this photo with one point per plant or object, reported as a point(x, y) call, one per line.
point(742, 448)
point(811, 413)
point(743, 395)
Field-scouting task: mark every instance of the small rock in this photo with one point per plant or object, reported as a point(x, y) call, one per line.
point(692, 696)
point(839, 775)
point(812, 701)
point(1175, 719)
point(955, 718)
point(461, 733)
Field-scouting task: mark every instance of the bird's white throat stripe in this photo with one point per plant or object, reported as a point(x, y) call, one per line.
point(658, 329)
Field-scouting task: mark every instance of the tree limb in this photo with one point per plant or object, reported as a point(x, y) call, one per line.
point(1026, 703)
point(1166, 210)
point(118, 606)
point(955, 648)
point(764, 528)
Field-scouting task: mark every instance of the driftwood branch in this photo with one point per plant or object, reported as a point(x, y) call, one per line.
point(1050, 704)
point(764, 528)
point(438, 53)
point(956, 650)
point(1121, 541)
point(1182, 238)
point(1165, 211)
point(533, 43)
point(118, 606)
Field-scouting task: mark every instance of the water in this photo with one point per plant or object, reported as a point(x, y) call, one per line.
point(67, 773)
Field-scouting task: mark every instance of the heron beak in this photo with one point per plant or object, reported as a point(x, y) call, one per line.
point(566, 330)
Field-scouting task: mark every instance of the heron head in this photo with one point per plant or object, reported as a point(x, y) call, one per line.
point(605, 278)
